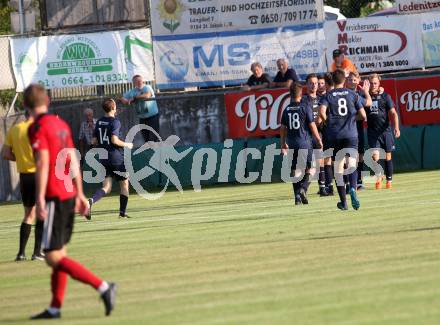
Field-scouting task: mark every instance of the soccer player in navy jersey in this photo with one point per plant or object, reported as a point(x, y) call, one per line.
point(297, 128)
point(352, 83)
point(339, 110)
point(58, 196)
point(379, 132)
point(108, 136)
point(312, 97)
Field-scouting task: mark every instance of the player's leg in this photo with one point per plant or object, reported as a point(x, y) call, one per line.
point(297, 173)
point(388, 146)
point(306, 157)
point(353, 177)
point(28, 198)
point(373, 143)
point(123, 198)
point(25, 231)
point(58, 228)
point(104, 190)
point(361, 151)
point(99, 194)
point(340, 184)
point(360, 169)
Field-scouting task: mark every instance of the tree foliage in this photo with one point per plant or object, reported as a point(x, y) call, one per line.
point(355, 8)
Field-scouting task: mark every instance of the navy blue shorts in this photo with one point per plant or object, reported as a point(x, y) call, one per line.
point(384, 141)
point(361, 136)
point(339, 144)
point(302, 158)
point(315, 143)
point(116, 171)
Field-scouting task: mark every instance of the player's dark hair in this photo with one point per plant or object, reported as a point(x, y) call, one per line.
point(310, 76)
point(34, 95)
point(136, 76)
point(295, 89)
point(321, 76)
point(329, 80)
point(338, 76)
point(107, 105)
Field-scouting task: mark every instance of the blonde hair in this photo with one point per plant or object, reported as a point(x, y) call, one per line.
point(374, 75)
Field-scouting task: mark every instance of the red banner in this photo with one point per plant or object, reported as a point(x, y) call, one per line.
point(258, 113)
point(419, 100)
point(255, 113)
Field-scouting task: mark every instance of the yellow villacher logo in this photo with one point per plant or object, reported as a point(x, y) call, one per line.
point(170, 11)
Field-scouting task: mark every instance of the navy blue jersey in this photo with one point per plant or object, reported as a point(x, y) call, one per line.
point(296, 118)
point(378, 114)
point(315, 104)
point(342, 105)
point(105, 128)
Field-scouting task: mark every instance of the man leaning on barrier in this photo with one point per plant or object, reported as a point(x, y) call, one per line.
point(146, 109)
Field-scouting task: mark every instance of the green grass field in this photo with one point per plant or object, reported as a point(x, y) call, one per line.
point(246, 255)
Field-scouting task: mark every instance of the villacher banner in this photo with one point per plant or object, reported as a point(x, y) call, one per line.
point(82, 59)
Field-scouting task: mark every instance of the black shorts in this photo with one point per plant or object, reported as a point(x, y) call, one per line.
point(384, 141)
point(58, 226)
point(27, 189)
point(340, 144)
point(116, 171)
point(361, 137)
point(302, 157)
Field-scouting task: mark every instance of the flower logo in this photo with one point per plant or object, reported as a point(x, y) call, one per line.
point(170, 11)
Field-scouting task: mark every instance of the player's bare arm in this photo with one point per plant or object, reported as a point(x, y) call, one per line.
point(362, 114)
point(41, 178)
point(322, 115)
point(94, 141)
point(7, 153)
point(395, 118)
point(315, 133)
point(284, 146)
point(118, 142)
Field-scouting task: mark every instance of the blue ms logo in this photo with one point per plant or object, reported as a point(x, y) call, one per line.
point(235, 54)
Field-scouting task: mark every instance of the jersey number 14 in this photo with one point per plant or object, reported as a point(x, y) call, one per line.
point(103, 137)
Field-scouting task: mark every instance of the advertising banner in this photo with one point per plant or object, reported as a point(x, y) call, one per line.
point(222, 59)
point(177, 17)
point(7, 79)
point(419, 100)
point(414, 7)
point(431, 38)
point(377, 43)
point(82, 59)
point(255, 114)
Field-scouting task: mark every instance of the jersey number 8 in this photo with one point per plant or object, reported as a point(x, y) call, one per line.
point(294, 122)
point(342, 107)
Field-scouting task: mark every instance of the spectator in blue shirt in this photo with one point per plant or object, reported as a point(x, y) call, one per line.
point(146, 109)
point(285, 75)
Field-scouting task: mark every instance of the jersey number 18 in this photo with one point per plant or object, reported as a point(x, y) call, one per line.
point(294, 122)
